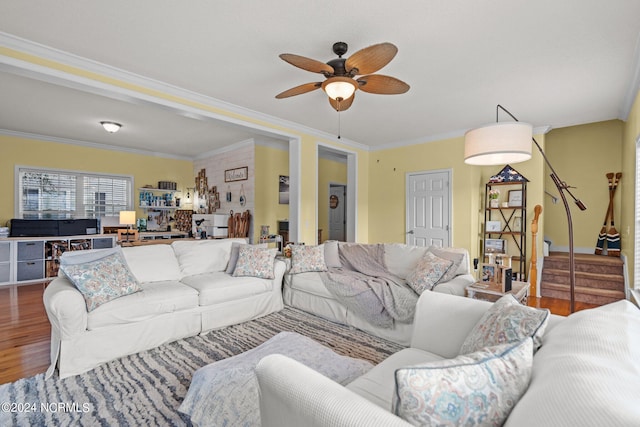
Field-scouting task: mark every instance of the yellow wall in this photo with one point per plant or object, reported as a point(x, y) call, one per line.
point(388, 169)
point(330, 172)
point(387, 181)
point(27, 152)
point(631, 134)
point(270, 163)
point(582, 155)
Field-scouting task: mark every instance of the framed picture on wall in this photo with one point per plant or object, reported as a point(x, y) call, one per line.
point(283, 190)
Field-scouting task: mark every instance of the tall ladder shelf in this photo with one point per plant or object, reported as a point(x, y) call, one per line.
point(510, 211)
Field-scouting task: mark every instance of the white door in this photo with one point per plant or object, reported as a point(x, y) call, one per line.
point(428, 208)
point(337, 207)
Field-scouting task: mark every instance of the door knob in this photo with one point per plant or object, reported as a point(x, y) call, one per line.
point(410, 232)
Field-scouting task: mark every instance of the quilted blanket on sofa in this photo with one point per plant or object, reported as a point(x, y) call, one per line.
point(364, 285)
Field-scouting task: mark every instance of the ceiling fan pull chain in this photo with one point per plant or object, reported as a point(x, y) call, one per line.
point(339, 123)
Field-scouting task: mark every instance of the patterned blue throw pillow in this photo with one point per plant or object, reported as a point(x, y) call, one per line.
point(507, 321)
point(102, 280)
point(478, 389)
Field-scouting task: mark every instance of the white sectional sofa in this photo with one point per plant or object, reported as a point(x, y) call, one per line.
point(185, 291)
point(586, 373)
point(307, 291)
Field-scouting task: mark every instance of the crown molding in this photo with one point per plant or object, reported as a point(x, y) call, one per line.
point(55, 76)
point(540, 130)
point(226, 149)
point(37, 137)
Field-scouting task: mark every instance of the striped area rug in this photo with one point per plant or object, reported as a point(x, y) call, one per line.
point(147, 388)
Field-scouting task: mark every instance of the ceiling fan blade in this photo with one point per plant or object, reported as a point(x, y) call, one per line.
point(382, 85)
point(372, 58)
point(342, 105)
point(306, 63)
point(299, 90)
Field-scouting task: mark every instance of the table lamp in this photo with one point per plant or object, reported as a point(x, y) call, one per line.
point(127, 218)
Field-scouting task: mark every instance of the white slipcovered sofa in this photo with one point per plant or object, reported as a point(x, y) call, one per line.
point(185, 291)
point(586, 373)
point(307, 291)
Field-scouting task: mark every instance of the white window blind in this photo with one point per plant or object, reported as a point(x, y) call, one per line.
point(54, 194)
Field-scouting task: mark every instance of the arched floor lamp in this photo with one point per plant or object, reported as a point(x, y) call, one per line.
point(506, 143)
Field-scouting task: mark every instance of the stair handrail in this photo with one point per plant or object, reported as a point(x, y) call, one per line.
point(533, 274)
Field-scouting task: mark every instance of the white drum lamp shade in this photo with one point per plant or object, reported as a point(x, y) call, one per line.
point(498, 144)
point(127, 217)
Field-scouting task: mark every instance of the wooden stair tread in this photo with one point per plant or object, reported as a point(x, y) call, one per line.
point(607, 276)
point(586, 290)
point(590, 258)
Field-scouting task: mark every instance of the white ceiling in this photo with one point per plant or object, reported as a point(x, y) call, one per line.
point(550, 62)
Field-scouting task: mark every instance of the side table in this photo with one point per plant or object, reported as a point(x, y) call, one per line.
point(493, 291)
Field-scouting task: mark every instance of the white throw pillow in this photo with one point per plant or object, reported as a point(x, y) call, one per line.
point(507, 321)
point(202, 256)
point(307, 258)
point(331, 255)
point(479, 389)
point(255, 262)
point(152, 263)
point(429, 270)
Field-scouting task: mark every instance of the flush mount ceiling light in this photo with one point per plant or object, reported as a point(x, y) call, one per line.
point(111, 127)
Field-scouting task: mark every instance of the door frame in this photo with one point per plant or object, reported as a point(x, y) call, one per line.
point(352, 187)
point(408, 176)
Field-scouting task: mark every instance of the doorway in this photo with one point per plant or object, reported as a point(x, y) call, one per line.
point(337, 212)
point(341, 170)
point(428, 201)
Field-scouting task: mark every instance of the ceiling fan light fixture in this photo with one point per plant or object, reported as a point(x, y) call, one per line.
point(339, 87)
point(111, 127)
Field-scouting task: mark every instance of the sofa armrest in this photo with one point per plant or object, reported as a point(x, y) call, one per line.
point(456, 286)
point(443, 321)
point(292, 394)
point(66, 308)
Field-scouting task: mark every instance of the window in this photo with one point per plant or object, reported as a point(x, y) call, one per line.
point(55, 194)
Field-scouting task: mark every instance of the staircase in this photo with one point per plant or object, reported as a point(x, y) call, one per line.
point(599, 279)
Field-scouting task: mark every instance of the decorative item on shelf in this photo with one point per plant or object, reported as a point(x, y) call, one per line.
point(287, 251)
point(494, 226)
point(228, 193)
point(494, 195)
point(495, 246)
point(515, 198)
point(488, 273)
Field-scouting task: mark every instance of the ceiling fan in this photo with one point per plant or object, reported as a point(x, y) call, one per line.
point(342, 74)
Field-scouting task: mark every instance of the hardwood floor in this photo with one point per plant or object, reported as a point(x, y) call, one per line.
point(25, 331)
